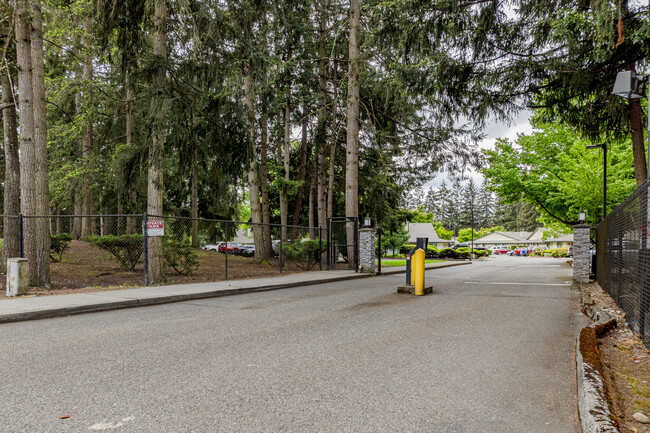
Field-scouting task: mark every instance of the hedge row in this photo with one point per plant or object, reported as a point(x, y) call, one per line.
point(445, 253)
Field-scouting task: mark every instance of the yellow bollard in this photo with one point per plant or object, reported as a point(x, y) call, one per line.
point(417, 267)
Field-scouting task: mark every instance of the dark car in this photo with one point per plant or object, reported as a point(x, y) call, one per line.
point(246, 250)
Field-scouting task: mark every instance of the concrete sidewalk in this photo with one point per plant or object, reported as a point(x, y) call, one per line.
point(41, 307)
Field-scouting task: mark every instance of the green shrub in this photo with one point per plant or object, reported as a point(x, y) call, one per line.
point(126, 249)
point(462, 254)
point(58, 244)
point(561, 253)
point(304, 253)
point(480, 253)
point(489, 252)
point(180, 256)
point(432, 252)
point(406, 248)
point(448, 253)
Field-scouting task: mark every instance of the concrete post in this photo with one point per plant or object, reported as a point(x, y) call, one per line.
point(581, 253)
point(367, 250)
point(17, 277)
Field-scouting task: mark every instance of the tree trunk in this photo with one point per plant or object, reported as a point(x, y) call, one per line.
point(321, 131)
point(332, 160)
point(195, 199)
point(352, 142)
point(638, 145)
point(264, 179)
point(302, 171)
point(131, 191)
point(87, 143)
point(77, 197)
point(26, 142)
point(312, 199)
point(157, 150)
point(286, 153)
point(11, 246)
point(40, 149)
point(253, 176)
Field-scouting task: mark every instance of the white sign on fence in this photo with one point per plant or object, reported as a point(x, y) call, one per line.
point(155, 228)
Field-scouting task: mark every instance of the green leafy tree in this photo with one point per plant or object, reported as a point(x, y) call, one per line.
point(552, 170)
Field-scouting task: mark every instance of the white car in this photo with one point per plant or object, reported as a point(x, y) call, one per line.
point(211, 247)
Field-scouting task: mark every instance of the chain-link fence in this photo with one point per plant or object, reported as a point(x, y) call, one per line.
point(623, 259)
point(117, 250)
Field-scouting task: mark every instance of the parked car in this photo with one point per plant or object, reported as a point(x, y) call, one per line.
point(212, 247)
point(569, 251)
point(231, 247)
point(501, 249)
point(276, 247)
point(246, 250)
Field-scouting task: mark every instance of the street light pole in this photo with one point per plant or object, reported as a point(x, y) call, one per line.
point(604, 147)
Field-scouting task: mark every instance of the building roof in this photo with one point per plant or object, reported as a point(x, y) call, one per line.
point(423, 230)
point(562, 238)
point(504, 237)
point(523, 237)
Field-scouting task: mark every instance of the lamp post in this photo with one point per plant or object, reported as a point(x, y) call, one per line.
point(582, 216)
point(604, 147)
point(628, 86)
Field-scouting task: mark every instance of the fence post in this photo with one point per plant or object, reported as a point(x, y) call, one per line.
point(320, 248)
point(145, 247)
point(280, 256)
point(356, 244)
point(378, 250)
point(226, 250)
point(21, 236)
point(329, 246)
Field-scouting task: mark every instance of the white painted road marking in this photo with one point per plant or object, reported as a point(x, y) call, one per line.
point(515, 284)
point(110, 425)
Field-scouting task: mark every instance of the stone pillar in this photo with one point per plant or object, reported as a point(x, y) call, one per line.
point(581, 254)
point(367, 250)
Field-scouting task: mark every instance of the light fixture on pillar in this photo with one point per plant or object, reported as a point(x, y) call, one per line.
point(582, 216)
point(366, 222)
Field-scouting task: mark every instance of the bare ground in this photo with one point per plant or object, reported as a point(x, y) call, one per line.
point(87, 268)
point(626, 362)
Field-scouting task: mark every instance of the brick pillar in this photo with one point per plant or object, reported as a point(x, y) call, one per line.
point(581, 254)
point(367, 250)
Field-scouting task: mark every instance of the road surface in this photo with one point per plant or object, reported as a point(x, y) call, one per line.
point(490, 351)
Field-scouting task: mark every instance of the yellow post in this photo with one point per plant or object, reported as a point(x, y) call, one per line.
point(417, 265)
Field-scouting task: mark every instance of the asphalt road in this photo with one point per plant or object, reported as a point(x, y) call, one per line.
point(490, 351)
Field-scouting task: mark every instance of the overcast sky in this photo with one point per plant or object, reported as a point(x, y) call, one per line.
point(494, 130)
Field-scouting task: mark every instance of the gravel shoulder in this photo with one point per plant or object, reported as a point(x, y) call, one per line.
point(626, 362)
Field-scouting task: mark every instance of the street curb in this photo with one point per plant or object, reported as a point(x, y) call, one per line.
point(432, 266)
point(143, 302)
point(117, 305)
point(594, 411)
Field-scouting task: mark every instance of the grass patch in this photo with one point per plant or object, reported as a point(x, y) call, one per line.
point(389, 263)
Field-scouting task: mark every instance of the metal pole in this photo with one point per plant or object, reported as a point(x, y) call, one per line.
point(320, 248)
point(145, 248)
point(605, 177)
point(648, 85)
point(471, 251)
point(379, 251)
point(356, 244)
point(226, 250)
point(21, 236)
point(280, 256)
